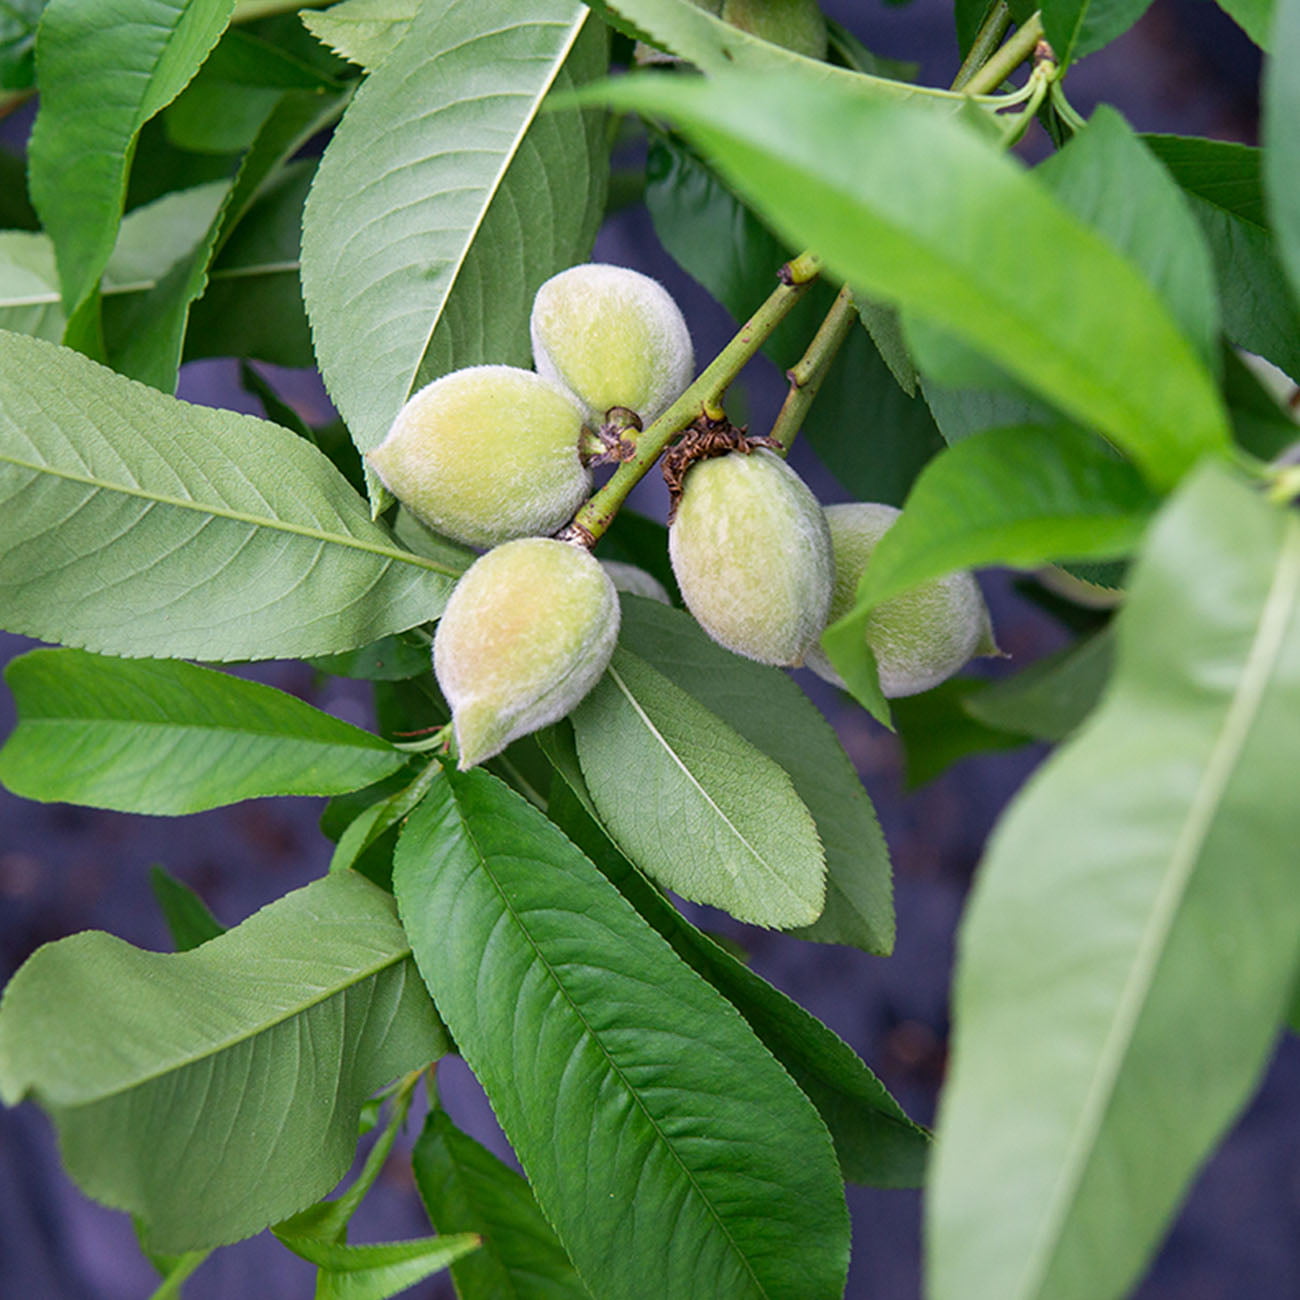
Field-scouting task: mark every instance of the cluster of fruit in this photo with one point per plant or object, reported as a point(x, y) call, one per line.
point(498, 458)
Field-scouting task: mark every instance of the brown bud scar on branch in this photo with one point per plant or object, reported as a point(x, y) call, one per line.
point(704, 439)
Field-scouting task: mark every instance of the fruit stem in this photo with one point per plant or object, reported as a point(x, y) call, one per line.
point(705, 395)
point(1002, 64)
point(809, 372)
point(987, 39)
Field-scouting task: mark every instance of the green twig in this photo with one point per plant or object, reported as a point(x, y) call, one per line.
point(986, 41)
point(1002, 64)
point(808, 374)
point(247, 11)
point(704, 395)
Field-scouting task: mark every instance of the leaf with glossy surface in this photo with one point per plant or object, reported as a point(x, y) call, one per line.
point(379, 1270)
point(1015, 497)
point(444, 201)
point(1111, 183)
point(1223, 183)
point(665, 771)
point(875, 1141)
point(106, 67)
point(766, 707)
point(216, 1091)
point(465, 1188)
point(1132, 943)
point(936, 240)
point(167, 738)
point(1281, 105)
point(138, 525)
point(672, 1153)
point(189, 920)
point(715, 238)
point(1078, 27)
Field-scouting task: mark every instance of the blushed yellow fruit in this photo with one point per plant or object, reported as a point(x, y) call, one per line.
point(526, 634)
point(920, 638)
point(752, 555)
point(796, 24)
point(485, 455)
point(612, 337)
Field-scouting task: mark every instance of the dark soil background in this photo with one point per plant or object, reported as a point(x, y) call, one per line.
point(1184, 68)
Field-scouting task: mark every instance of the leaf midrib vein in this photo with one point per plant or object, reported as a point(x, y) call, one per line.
point(236, 516)
point(1279, 607)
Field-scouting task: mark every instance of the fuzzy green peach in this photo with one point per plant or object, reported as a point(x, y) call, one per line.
point(527, 633)
point(919, 638)
point(752, 556)
point(611, 337)
point(485, 455)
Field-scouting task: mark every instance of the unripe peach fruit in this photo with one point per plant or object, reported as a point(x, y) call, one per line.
point(486, 454)
point(796, 24)
point(527, 633)
point(919, 638)
point(752, 555)
point(611, 337)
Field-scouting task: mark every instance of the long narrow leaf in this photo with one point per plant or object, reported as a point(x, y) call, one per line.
point(671, 1152)
point(170, 738)
point(1131, 949)
point(938, 240)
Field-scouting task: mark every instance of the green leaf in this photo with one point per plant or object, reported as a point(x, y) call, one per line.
point(375, 1272)
point(214, 1092)
point(150, 335)
point(1255, 18)
point(1016, 497)
point(1078, 27)
point(1111, 183)
point(664, 771)
point(875, 1141)
point(380, 817)
point(364, 32)
point(691, 31)
point(253, 304)
point(1050, 698)
point(766, 708)
point(29, 285)
point(18, 22)
point(105, 70)
point(465, 1188)
point(390, 659)
point(168, 738)
point(1132, 944)
point(444, 201)
point(1281, 110)
point(937, 730)
point(672, 1154)
point(1224, 186)
point(138, 525)
point(187, 915)
point(717, 239)
point(937, 241)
